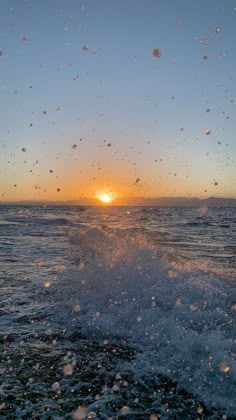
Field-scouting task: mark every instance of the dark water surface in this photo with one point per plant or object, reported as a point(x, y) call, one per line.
point(117, 312)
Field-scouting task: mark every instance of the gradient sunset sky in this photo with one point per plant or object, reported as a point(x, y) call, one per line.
point(125, 97)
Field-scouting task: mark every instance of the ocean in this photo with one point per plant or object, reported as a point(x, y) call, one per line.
point(117, 312)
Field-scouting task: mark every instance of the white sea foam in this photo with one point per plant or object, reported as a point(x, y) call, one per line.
point(181, 319)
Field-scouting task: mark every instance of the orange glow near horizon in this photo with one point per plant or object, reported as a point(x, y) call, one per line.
point(106, 197)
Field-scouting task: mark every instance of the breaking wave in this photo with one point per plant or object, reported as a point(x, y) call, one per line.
point(179, 318)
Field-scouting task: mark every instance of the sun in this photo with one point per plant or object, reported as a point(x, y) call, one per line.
point(105, 198)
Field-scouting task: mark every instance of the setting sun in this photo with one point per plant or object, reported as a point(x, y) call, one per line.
point(105, 198)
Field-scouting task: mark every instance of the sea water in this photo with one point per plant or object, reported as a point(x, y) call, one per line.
point(116, 312)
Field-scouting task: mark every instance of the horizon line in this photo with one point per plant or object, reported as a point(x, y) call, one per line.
point(121, 201)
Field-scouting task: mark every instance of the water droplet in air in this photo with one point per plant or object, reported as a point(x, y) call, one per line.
point(180, 19)
point(224, 367)
point(125, 410)
point(68, 369)
point(91, 415)
point(156, 53)
point(55, 386)
point(80, 413)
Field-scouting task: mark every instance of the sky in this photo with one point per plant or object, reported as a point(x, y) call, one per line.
point(129, 98)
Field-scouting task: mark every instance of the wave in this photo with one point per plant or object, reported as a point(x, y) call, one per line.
point(179, 318)
point(31, 219)
point(199, 223)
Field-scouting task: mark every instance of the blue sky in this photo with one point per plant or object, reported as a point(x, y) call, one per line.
point(131, 116)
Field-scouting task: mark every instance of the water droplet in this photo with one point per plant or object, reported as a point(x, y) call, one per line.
point(224, 367)
point(80, 414)
point(68, 369)
point(47, 284)
point(125, 410)
point(91, 415)
point(156, 53)
point(55, 386)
